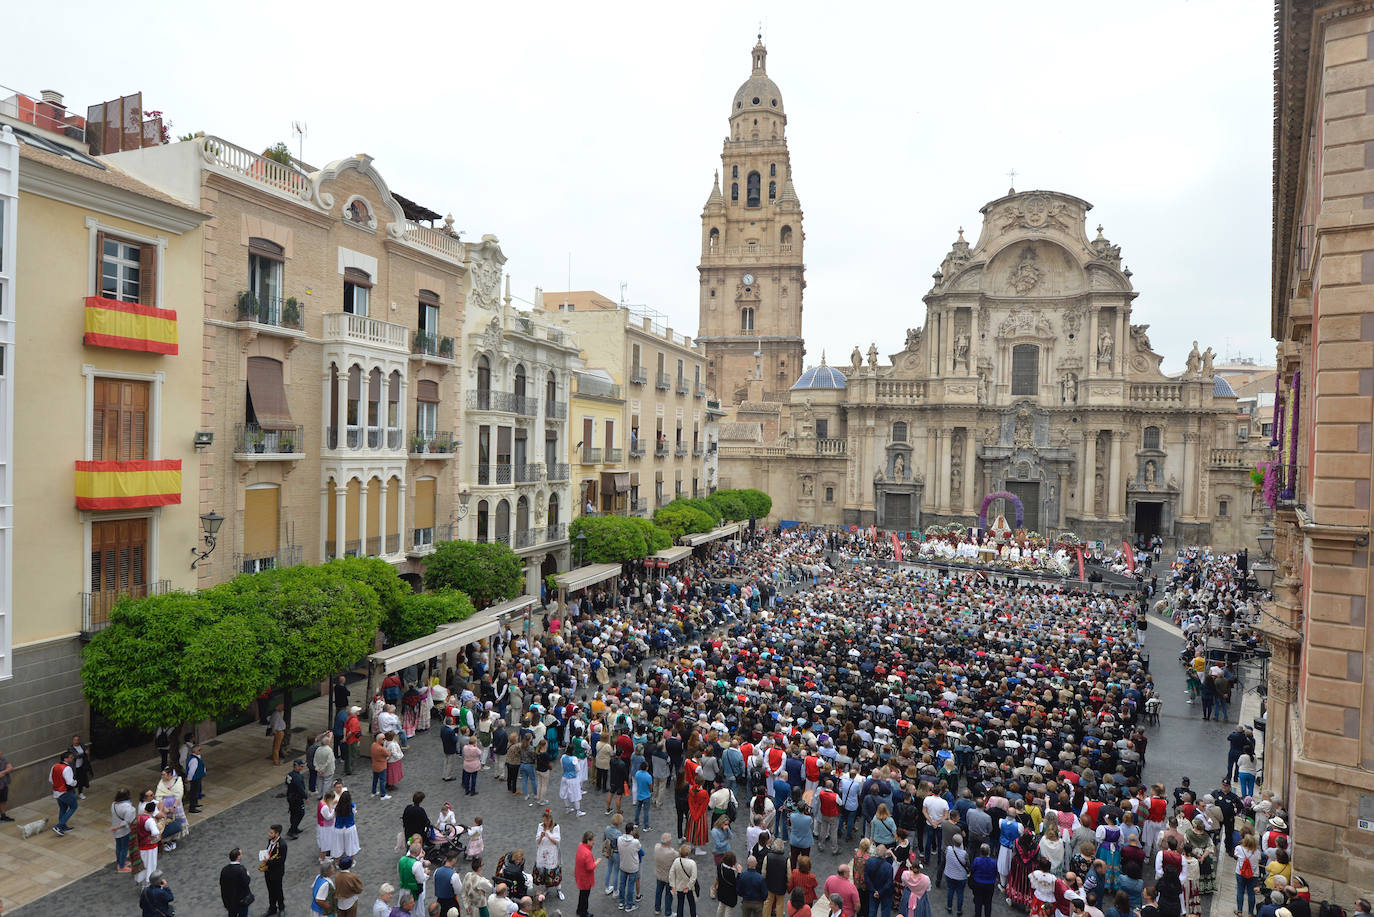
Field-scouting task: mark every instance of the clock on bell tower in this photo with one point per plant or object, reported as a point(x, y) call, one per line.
point(751, 269)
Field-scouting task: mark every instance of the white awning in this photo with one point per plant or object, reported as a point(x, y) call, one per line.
point(450, 637)
point(725, 531)
point(673, 555)
point(583, 577)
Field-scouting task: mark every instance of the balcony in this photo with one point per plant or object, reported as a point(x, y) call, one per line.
point(129, 326)
point(700, 391)
point(698, 450)
point(639, 375)
point(614, 456)
point(527, 474)
point(661, 450)
point(346, 328)
point(528, 538)
point(683, 387)
point(558, 472)
point(1230, 458)
point(287, 555)
point(636, 451)
point(254, 444)
point(502, 402)
point(591, 456)
point(96, 606)
point(555, 410)
point(503, 473)
point(431, 346)
point(639, 506)
point(556, 532)
point(680, 451)
point(1167, 392)
point(436, 445)
point(422, 541)
point(665, 382)
point(271, 311)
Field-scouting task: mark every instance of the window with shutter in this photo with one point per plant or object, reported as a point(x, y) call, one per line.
point(118, 560)
point(119, 420)
point(1025, 369)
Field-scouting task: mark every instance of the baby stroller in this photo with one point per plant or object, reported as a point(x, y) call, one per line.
point(445, 841)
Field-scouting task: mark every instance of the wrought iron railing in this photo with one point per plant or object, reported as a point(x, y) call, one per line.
point(591, 455)
point(556, 531)
point(503, 473)
point(287, 555)
point(251, 439)
point(526, 474)
point(556, 410)
point(558, 471)
point(639, 375)
point(665, 381)
point(614, 456)
point(661, 450)
point(96, 606)
point(434, 442)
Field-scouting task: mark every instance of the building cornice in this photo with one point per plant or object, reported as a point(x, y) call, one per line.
point(292, 207)
point(1328, 535)
point(36, 178)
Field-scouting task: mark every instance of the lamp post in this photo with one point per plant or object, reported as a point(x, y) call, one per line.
point(464, 496)
point(581, 548)
point(210, 523)
point(1264, 567)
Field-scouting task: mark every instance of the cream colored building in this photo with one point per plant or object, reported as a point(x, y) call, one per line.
point(100, 282)
point(1319, 736)
point(329, 373)
point(604, 484)
point(662, 377)
point(514, 460)
point(1027, 377)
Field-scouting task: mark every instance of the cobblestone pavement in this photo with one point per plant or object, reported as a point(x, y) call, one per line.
point(1182, 745)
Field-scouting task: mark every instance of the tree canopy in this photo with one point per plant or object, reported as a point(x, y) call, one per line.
point(679, 519)
point(422, 614)
point(487, 573)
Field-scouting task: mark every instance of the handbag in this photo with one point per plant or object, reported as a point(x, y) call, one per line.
point(248, 898)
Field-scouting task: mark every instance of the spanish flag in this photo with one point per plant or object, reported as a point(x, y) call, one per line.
point(130, 326)
point(128, 485)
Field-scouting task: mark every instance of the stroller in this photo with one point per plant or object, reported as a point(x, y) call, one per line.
point(450, 840)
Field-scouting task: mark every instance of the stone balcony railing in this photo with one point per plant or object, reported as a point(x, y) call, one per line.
point(1168, 392)
point(360, 329)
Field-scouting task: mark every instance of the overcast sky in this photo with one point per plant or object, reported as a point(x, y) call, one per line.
point(593, 129)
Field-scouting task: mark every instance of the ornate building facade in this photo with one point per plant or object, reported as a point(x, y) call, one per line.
point(1028, 376)
point(751, 269)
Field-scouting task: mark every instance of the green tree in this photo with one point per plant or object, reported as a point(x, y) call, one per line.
point(323, 620)
point(392, 591)
point(683, 520)
point(732, 508)
point(424, 613)
point(488, 573)
point(278, 152)
point(610, 539)
point(757, 502)
point(170, 659)
point(656, 537)
point(703, 504)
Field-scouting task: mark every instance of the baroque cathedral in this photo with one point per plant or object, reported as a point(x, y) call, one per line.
point(1028, 376)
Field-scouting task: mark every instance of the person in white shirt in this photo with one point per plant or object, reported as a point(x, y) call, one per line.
point(937, 810)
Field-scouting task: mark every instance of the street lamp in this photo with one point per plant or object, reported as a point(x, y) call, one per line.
point(210, 523)
point(464, 496)
point(581, 547)
point(1264, 567)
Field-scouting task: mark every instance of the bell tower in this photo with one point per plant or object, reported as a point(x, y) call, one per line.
point(751, 270)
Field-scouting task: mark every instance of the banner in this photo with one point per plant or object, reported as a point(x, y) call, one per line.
point(1130, 557)
point(1078, 551)
point(896, 547)
point(128, 485)
point(130, 326)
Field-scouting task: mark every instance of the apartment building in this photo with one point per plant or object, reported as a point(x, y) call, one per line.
point(329, 378)
point(661, 374)
point(100, 374)
point(514, 461)
point(604, 482)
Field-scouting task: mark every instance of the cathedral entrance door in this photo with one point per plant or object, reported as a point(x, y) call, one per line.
point(897, 512)
point(1028, 492)
point(1148, 518)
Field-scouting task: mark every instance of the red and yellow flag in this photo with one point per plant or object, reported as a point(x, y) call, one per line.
point(128, 485)
point(130, 326)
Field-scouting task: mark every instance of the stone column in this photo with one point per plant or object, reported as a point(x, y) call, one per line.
point(381, 512)
point(1119, 350)
point(362, 517)
point(946, 442)
point(1116, 486)
point(1089, 472)
point(324, 418)
point(341, 421)
point(340, 518)
point(1092, 342)
point(1063, 498)
point(401, 514)
point(324, 522)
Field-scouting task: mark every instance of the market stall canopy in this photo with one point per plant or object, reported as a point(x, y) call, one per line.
point(450, 637)
point(673, 555)
point(725, 531)
point(583, 577)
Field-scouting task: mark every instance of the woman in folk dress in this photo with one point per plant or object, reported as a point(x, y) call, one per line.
point(548, 869)
point(324, 825)
point(345, 827)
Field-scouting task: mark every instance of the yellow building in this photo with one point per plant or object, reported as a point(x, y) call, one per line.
point(605, 485)
point(662, 379)
point(106, 373)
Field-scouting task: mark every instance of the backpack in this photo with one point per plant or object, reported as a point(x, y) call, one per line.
point(1246, 870)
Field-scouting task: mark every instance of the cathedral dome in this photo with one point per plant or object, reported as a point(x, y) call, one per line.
point(1222, 389)
point(758, 92)
point(821, 377)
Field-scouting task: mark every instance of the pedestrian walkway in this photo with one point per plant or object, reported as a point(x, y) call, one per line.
point(235, 772)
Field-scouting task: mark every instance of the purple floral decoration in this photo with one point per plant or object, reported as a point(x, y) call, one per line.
point(1276, 437)
point(1290, 479)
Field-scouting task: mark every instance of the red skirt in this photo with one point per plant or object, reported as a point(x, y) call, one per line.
point(393, 773)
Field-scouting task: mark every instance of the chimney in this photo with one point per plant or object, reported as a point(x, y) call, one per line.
point(53, 97)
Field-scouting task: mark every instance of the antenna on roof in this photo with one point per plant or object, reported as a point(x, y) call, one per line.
point(300, 129)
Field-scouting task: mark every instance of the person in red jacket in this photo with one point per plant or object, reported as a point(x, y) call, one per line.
point(829, 829)
point(584, 872)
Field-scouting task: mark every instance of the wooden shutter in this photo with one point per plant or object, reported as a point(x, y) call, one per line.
point(119, 421)
point(261, 512)
point(147, 275)
point(266, 248)
point(427, 390)
point(119, 552)
point(267, 391)
point(424, 503)
point(357, 276)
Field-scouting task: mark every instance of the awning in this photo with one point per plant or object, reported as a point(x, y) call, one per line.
point(512, 607)
point(268, 394)
point(615, 482)
point(672, 555)
point(447, 639)
point(725, 531)
point(583, 577)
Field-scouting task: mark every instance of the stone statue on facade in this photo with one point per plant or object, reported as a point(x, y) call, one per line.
point(1023, 433)
point(872, 356)
point(961, 343)
point(1194, 363)
point(898, 467)
point(1105, 344)
point(1207, 357)
point(913, 338)
point(982, 387)
point(1069, 388)
point(856, 359)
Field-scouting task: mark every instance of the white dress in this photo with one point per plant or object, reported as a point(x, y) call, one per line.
point(324, 828)
point(346, 837)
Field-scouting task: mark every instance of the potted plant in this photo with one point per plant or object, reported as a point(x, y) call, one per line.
point(421, 343)
point(248, 306)
point(1257, 477)
point(259, 440)
point(286, 445)
point(446, 348)
point(417, 443)
point(291, 313)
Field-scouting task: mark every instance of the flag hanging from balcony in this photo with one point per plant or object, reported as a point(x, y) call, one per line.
point(128, 485)
point(130, 326)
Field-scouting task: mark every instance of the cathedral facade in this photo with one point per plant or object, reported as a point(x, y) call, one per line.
point(1028, 377)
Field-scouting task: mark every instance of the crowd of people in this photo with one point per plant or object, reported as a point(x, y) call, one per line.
point(782, 697)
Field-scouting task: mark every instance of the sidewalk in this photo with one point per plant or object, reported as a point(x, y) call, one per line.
point(238, 767)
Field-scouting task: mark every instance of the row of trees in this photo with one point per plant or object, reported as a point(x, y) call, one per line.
point(618, 539)
point(184, 657)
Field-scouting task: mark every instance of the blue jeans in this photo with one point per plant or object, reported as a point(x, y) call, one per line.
point(781, 826)
point(956, 887)
point(1222, 708)
point(663, 894)
point(66, 805)
point(470, 781)
point(1245, 887)
point(848, 819)
point(642, 808)
point(932, 842)
point(379, 783)
point(686, 901)
point(527, 782)
point(1247, 784)
point(122, 851)
point(628, 882)
point(613, 871)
